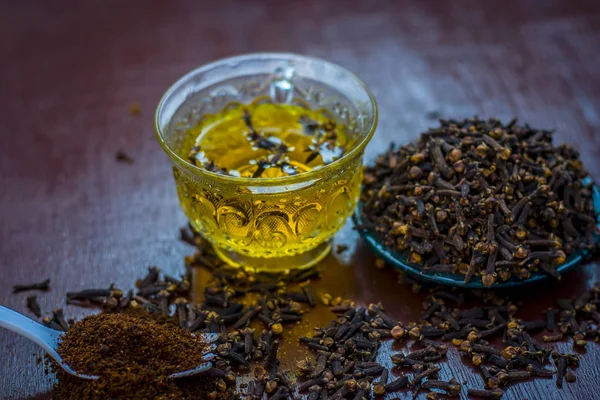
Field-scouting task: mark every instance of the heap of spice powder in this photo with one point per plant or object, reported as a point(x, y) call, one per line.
point(481, 198)
point(131, 344)
point(133, 353)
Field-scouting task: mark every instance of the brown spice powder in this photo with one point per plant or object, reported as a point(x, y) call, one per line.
point(133, 354)
point(120, 342)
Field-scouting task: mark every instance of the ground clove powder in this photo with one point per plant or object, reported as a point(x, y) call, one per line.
point(133, 353)
point(123, 343)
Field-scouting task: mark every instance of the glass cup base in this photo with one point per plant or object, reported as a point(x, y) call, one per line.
point(276, 264)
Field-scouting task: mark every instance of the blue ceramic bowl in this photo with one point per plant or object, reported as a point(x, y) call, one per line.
point(398, 260)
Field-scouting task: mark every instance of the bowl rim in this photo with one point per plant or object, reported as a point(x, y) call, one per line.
point(249, 181)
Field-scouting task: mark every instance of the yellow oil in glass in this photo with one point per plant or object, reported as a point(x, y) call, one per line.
point(261, 220)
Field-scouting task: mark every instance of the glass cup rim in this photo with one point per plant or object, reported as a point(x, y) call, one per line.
point(248, 181)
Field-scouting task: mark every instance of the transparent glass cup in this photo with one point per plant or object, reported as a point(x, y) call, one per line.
point(268, 224)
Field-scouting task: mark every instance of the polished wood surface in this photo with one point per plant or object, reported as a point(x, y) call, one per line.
point(70, 71)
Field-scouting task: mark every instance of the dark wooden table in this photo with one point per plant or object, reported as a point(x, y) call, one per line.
point(70, 71)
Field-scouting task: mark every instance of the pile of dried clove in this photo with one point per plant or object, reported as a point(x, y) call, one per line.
point(346, 355)
point(252, 313)
point(481, 198)
point(475, 330)
point(346, 363)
